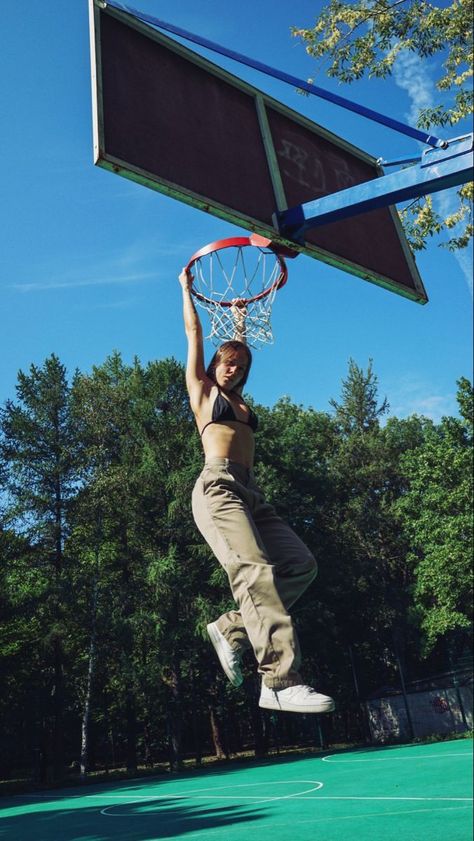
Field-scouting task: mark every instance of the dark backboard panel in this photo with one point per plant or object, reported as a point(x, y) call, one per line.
point(168, 118)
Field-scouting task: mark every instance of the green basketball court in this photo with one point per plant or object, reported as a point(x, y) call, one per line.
point(414, 792)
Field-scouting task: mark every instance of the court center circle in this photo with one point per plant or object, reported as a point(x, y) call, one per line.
point(215, 793)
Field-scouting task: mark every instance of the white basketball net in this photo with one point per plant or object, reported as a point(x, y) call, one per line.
point(238, 274)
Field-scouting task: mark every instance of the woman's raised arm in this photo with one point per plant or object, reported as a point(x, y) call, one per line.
point(196, 378)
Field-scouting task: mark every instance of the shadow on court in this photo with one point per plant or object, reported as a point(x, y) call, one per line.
point(75, 821)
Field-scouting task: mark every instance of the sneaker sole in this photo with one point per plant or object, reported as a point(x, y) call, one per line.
point(236, 680)
point(327, 707)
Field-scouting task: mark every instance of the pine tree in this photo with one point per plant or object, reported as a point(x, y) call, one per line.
point(40, 458)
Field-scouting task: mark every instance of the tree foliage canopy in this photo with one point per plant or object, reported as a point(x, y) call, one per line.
point(107, 587)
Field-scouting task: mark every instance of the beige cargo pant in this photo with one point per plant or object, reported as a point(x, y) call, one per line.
point(267, 565)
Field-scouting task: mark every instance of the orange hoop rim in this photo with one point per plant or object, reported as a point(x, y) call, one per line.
point(254, 240)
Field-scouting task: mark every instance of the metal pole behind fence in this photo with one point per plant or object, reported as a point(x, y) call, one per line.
point(405, 697)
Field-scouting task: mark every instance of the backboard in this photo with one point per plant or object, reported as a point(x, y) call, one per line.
point(172, 120)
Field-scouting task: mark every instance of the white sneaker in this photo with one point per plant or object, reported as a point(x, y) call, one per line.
point(295, 699)
point(228, 657)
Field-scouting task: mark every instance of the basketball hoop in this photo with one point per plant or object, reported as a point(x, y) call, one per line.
point(243, 272)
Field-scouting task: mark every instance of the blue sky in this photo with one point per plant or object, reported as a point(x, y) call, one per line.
point(89, 261)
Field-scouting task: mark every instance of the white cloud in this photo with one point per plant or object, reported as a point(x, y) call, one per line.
point(410, 396)
point(130, 266)
point(445, 203)
point(74, 283)
point(465, 260)
point(412, 74)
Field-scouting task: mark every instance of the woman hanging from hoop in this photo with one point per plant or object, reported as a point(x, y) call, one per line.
point(267, 565)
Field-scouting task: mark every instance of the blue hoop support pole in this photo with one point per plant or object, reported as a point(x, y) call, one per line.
point(375, 116)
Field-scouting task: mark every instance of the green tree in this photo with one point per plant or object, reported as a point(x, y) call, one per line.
point(295, 446)
point(369, 578)
point(436, 513)
point(134, 527)
point(372, 39)
point(22, 587)
point(41, 468)
point(111, 537)
point(358, 411)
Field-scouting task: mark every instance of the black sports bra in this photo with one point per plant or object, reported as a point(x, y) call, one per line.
point(222, 411)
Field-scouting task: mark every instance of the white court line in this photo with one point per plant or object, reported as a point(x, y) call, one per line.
point(395, 758)
point(136, 798)
point(388, 797)
point(299, 796)
point(194, 795)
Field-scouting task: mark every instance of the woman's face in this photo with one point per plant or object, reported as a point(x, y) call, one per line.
point(229, 372)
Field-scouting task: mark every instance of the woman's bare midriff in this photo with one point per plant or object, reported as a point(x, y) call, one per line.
point(231, 440)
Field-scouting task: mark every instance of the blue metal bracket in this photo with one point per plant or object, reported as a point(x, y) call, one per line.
point(439, 169)
point(410, 159)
